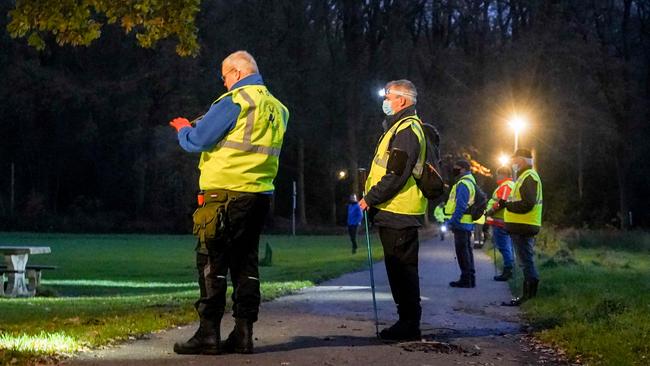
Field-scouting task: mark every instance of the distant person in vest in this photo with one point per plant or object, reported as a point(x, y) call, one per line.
point(523, 219)
point(439, 214)
point(397, 204)
point(355, 215)
point(239, 139)
point(495, 220)
point(461, 197)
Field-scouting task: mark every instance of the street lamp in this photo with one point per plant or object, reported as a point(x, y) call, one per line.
point(503, 159)
point(517, 123)
point(342, 174)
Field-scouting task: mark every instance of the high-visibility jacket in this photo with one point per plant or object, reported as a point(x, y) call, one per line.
point(247, 158)
point(534, 216)
point(502, 192)
point(439, 213)
point(409, 200)
point(470, 182)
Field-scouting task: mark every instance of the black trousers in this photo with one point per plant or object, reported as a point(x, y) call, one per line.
point(401, 248)
point(237, 252)
point(352, 231)
point(464, 254)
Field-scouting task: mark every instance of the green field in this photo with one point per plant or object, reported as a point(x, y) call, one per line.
point(112, 287)
point(594, 296)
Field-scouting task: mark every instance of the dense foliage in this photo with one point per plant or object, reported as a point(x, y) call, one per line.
point(85, 127)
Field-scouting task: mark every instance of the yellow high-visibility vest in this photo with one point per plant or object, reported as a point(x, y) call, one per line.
point(409, 200)
point(532, 217)
point(247, 158)
point(450, 207)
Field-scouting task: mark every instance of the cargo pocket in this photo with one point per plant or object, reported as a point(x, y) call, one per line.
point(209, 222)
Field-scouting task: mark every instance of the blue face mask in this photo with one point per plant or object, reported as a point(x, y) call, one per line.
point(388, 110)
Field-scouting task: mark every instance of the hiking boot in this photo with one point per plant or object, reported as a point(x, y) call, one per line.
point(463, 283)
point(204, 342)
point(240, 340)
point(506, 275)
point(530, 291)
point(401, 331)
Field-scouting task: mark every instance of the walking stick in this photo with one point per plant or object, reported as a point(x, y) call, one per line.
point(494, 255)
point(362, 173)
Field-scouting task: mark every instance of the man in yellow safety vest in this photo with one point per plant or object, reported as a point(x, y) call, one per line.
point(461, 197)
point(523, 220)
point(397, 204)
point(239, 139)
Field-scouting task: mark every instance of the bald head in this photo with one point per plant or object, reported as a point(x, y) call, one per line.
point(237, 66)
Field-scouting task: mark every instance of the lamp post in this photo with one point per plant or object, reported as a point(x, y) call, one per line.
point(517, 123)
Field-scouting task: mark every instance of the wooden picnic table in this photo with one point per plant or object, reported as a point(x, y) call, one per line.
point(15, 257)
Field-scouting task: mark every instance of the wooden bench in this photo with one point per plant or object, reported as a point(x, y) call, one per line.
point(32, 272)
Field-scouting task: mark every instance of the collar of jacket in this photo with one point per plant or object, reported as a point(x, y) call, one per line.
point(463, 176)
point(406, 112)
point(520, 172)
point(252, 79)
point(500, 182)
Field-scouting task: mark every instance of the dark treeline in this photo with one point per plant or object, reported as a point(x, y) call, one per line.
point(86, 127)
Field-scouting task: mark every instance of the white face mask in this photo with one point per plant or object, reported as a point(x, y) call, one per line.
point(388, 110)
point(515, 167)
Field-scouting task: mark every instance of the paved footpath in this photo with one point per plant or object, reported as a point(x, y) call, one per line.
point(332, 324)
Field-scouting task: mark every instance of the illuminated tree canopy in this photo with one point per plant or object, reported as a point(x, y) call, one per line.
point(80, 22)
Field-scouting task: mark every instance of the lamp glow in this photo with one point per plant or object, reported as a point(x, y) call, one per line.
point(381, 92)
point(518, 123)
point(503, 159)
point(342, 174)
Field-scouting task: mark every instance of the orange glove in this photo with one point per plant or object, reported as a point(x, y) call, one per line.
point(180, 122)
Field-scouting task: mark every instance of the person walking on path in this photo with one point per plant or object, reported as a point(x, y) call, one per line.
point(523, 220)
point(355, 215)
point(494, 215)
point(461, 197)
point(239, 139)
point(397, 204)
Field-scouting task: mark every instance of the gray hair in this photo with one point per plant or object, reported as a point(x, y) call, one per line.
point(404, 88)
point(242, 61)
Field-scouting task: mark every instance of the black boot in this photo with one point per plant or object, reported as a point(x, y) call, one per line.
point(464, 282)
point(402, 331)
point(240, 340)
point(506, 275)
point(204, 342)
point(520, 300)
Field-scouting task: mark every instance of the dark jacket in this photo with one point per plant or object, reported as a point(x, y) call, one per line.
point(528, 199)
point(391, 184)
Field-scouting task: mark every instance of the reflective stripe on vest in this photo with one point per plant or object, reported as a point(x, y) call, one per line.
point(409, 200)
point(532, 217)
point(450, 207)
point(246, 159)
point(498, 215)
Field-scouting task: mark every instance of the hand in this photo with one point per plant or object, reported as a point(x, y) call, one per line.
point(179, 122)
point(503, 203)
point(364, 206)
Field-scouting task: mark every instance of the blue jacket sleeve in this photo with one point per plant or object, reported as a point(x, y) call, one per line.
point(462, 199)
point(354, 214)
point(215, 124)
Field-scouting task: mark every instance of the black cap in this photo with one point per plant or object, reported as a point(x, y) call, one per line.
point(463, 164)
point(523, 153)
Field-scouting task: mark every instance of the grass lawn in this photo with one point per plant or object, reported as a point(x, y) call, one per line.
point(594, 297)
point(112, 287)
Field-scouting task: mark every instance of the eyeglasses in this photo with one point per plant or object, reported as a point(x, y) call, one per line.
point(223, 77)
